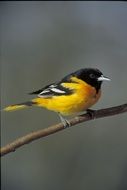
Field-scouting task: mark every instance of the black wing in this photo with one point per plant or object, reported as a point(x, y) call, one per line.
point(55, 89)
point(40, 90)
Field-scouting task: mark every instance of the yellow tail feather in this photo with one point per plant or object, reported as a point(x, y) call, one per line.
point(18, 106)
point(14, 107)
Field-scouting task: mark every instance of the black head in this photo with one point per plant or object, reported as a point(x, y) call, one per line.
point(92, 76)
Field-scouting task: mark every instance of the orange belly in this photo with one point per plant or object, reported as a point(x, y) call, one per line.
point(83, 99)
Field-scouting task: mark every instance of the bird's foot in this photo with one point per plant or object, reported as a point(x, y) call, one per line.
point(91, 113)
point(64, 121)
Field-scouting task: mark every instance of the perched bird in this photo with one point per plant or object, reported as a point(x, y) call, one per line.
point(75, 93)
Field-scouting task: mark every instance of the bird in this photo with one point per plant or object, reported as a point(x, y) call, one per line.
point(73, 94)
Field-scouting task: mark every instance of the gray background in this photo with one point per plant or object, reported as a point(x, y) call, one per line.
point(41, 42)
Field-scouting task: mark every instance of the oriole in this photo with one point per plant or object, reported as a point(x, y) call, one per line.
point(75, 93)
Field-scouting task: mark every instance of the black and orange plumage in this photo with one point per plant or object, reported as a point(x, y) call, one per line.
point(75, 93)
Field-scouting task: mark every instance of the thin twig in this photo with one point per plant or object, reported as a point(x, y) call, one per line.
point(55, 128)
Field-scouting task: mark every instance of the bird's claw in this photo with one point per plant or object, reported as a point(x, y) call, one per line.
point(91, 113)
point(66, 123)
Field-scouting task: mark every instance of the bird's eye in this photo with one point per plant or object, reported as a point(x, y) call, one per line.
point(92, 75)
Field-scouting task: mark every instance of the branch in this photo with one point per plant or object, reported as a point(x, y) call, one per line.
point(55, 128)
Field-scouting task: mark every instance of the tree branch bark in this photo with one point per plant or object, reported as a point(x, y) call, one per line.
point(55, 128)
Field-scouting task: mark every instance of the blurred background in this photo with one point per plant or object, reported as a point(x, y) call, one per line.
point(41, 42)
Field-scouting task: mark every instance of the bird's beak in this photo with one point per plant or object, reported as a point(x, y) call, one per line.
point(102, 78)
